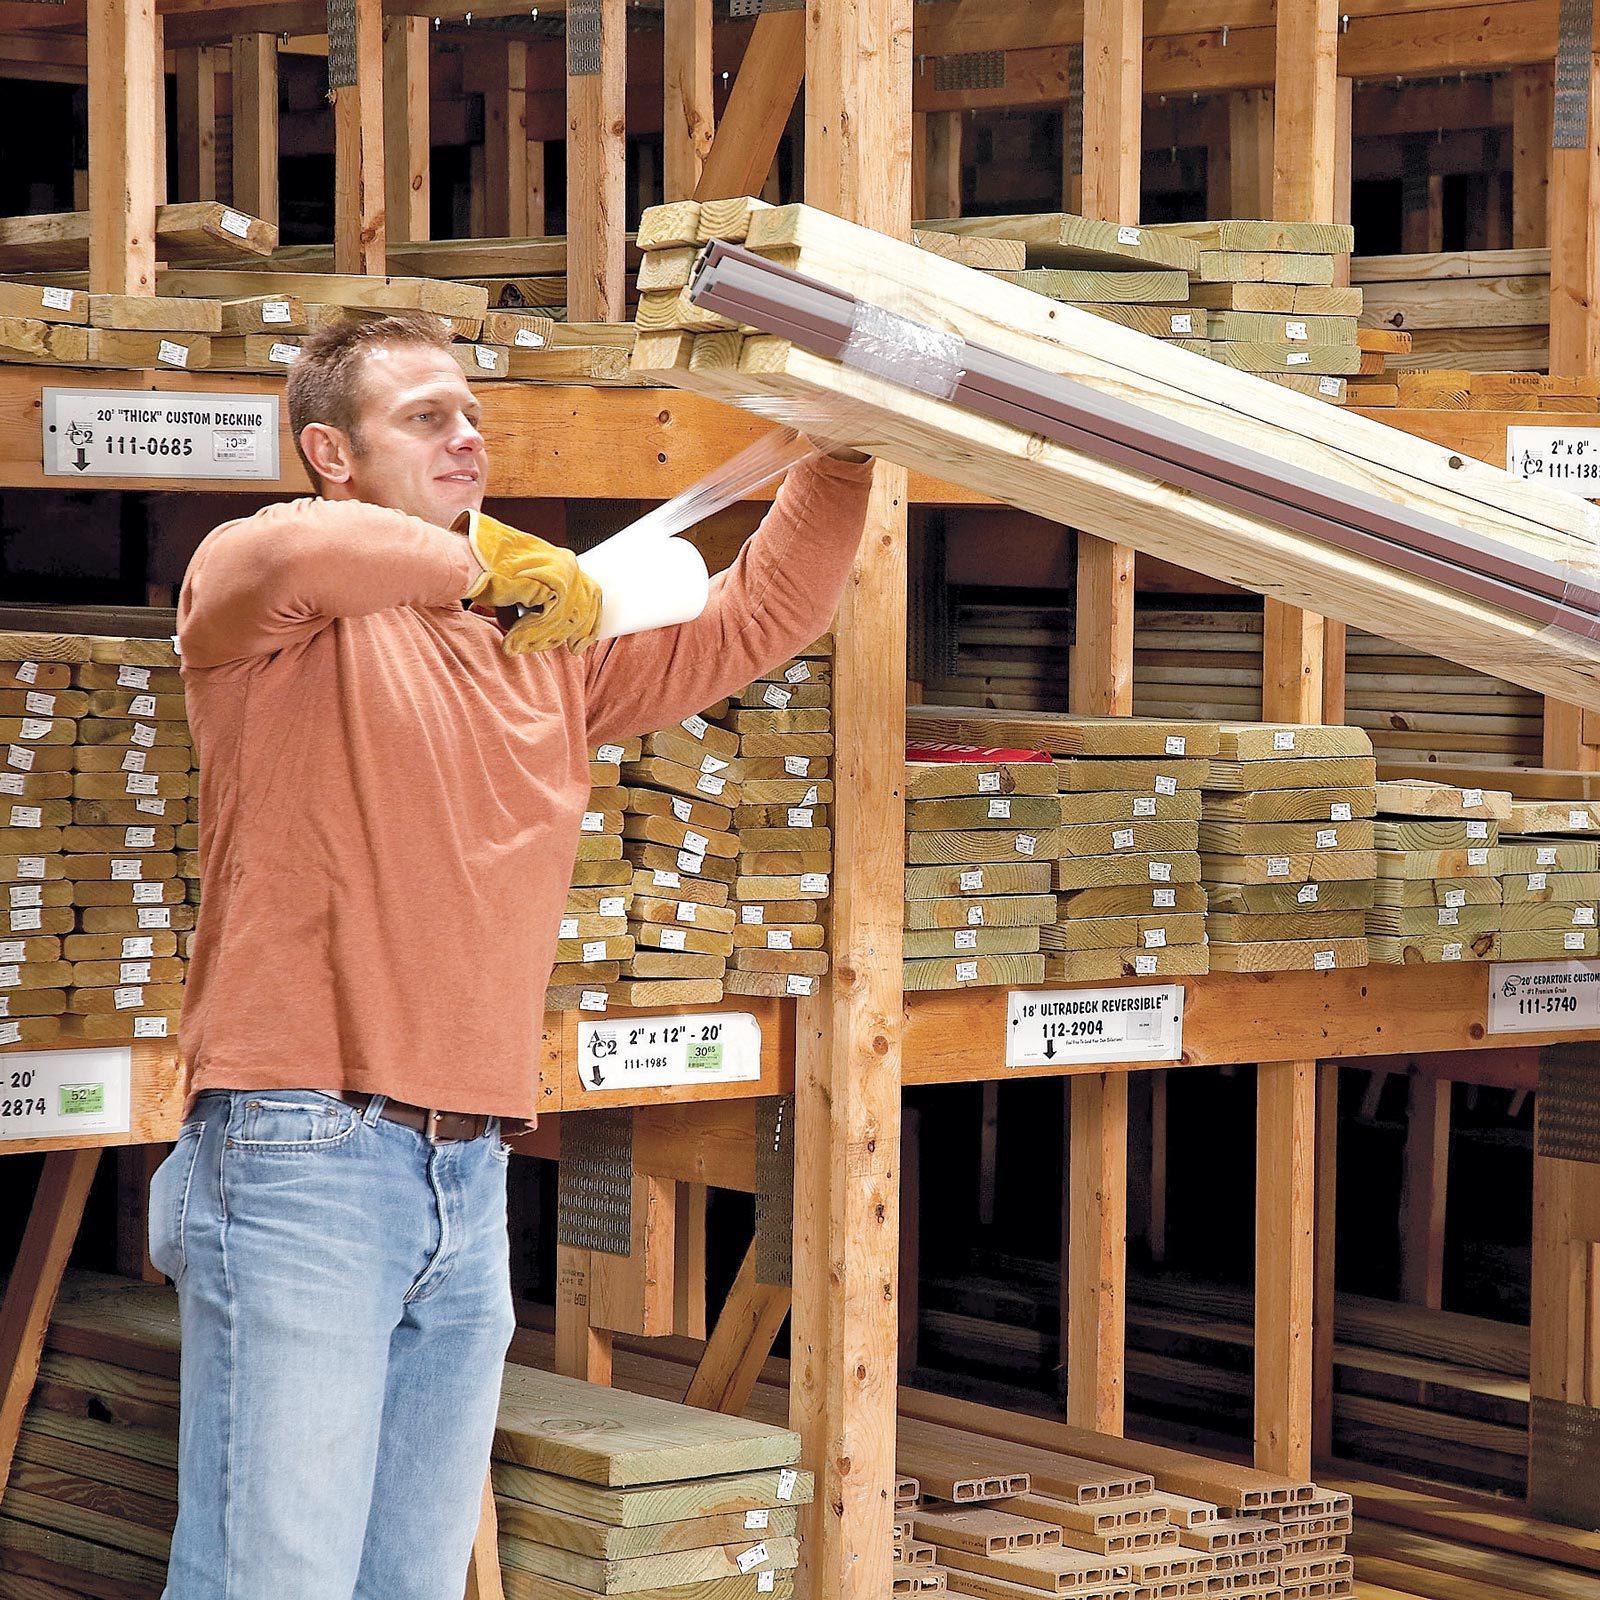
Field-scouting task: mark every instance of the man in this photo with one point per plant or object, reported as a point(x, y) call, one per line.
point(390, 810)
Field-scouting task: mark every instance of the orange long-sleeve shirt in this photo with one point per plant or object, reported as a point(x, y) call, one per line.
point(390, 806)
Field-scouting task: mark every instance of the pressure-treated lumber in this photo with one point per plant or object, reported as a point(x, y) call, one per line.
point(1061, 239)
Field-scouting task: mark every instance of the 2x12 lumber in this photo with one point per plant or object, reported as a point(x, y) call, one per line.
point(1061, 239)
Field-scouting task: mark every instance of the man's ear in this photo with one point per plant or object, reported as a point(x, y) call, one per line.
point(329, 451)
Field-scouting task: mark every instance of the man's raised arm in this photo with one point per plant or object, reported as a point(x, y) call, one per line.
point(779, 595)
point(278, 577)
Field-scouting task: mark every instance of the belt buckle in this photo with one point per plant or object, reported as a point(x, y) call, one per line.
point(431, 1126)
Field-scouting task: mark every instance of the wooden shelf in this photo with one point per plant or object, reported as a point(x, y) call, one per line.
point(546, 441)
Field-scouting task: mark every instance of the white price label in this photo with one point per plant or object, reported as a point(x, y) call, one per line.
point(1297, 358)
point(1322, 961)
point(779, 939)
point(1026, 844)
point(1182, 322)
point(972, 881)
point(798, 673)
point(127, 999)
point(31, 866)
point(1283, 738)
point(126, 869)
point(527, 339)
point(134, 760)
point(1155, 938)
point(143, 734)
point(788, 1478)
point(236, 223)
point(1159, 871)
point(999, 808)
point(756, 1521)
point(1165, 785)
point(142, 705)
point(138, 838)
point(1327, 838)
point(59, 1093)
point(594, 949)
point(149, 1027)
point(1583, 916)
point(696, 726)
point(611, 753)
point(794, 984)
point(776, 696)
point(613, 905)
point(1545, 855)
point(53, 299)
point(41, 705)
point(593, 822)
point(797, 766)
point(1455, 897)
point(568, 928)
point(801, 816)
point(283, 354)
point(27, 672)
point(1330, 386)
point(1176, 744)
point(133, 972)
point(135, 949)
point(1477, 830)
point(707, 784)
point(155, 916)
point(1339, 811)
point(1480, 858)
point(26, 816)
point(813, 883)
point(147, 894)
point(974, 916)
point(593, 1000)
point(19, 757)
point(1449, 952)
point(173, 354)
point(988, 783)
point(674, 938)
point(487, 357)
point(1472, 798)
point(1573, 941)
point(1122, 838)
point(966, 972)
point(34, 728)
point(1144, 966)
point(691, 863)
point(1449, 917)
point(688, 911)
point(1164, 899)
point(752, 914)
point(142, 783)
point(1144, 805)
point(1073, 1026)
point(748, 1560)
point(682, 809)
point(1577, 819)
point(709, 1047)
point(1296, 331)
point(1277, 866)
point(966, 939)
point(26, 894)
point(766, 1582)
point(1127, 235)
point(713, 764)
point(1307, 894)
point(274, 311)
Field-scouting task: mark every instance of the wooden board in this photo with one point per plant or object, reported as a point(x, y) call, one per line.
point(195, 231)
point(1131, 900)
point(1225, 927)
point(964, 972)
point(982, 911)
point(1098, 966)
point(1065, 735)
point(1130, 806)
point(1269, 741)
point(935, 780)
point(1147, 777)
point(1062, 239)
point(1433, 833)
point(1293, 866)
point(1330, 772)
point(1445, 891)
point(1001, 812)
point(1134, 868)
point(976, 845)
point(1417, 797)
point(1278, 299)
point(1282, 838)
point(991, 878)
point(1290, 955)
point(1264, 266)
point(1102, 288)
point(1312, 238)
point(1152, 930)
point(1292, 805)
point(605, 1436)
point(656, 1504)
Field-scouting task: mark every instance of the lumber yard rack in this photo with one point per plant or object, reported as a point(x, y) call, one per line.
point(882, 143)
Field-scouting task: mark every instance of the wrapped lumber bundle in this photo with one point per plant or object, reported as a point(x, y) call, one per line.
point(592, 941)
point(1419, 916)
point(1286, 841)
point(1043, 406)
point(784, 724)
point(39, 711)
point(1549, 861)
point(133, 852)
point(977, 886)
point(677, 801)
point(1125, 864)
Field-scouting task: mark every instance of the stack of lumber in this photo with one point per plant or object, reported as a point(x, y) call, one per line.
point(598, 1491)
point(1375, 385)
point(1478, 310)
point(1007, 657)
point(1457, 389)
point(592, 941)
point(1198, 659)
point(783, 823)
point(977, 882)
point(677, 801)
point(783, 844)
point(1013, 357)
point(122, 848)
point(1448, 914)
point(39, 711)
point(1125, 857)
point(1549, 861)
point(1286, 841)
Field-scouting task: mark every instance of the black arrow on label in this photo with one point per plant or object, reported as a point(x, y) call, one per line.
point(599, 1082)
point(1049, 1049)
point(82, 462)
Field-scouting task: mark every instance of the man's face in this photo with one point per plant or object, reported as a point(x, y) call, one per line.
point(418, 446)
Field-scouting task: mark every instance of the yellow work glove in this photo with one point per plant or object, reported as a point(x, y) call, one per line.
point(520, 569)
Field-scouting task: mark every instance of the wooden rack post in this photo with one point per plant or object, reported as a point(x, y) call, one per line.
point(255, 124)
point(1101, 683)
point(687, 119)
point(123, 152)
point(596, 163)
point(359, 235)
point(407, 182)
point(843, 1370)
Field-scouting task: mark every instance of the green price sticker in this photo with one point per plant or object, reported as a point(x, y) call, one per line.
point(82, 1099)
point(704, 1058)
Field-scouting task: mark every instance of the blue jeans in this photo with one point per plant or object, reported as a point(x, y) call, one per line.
point(345, 1296)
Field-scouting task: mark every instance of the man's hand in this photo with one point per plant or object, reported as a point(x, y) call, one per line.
point(520, 569)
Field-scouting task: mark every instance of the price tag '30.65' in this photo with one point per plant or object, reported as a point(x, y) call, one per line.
point(627, 1052)
point(1066, 1027)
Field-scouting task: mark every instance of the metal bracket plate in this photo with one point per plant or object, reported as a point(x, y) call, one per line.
point(583, 38)
point(775, 1190)
point(1072, 111)
point(1573, 45)
point(594, 1182)
point(1567, 1107)
point(1564, 1462)
point(982, 69)
point(754, 8)
point(341, 44)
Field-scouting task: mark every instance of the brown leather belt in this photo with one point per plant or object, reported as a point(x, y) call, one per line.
point(440, 1127)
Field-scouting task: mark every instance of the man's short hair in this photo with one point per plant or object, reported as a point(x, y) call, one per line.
point(326, 382)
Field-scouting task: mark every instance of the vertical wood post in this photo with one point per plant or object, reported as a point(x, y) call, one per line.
point(359, 234)
point(537, 223)
point(505, 142)
point(843, 1376)
point(255, 124)
point(406, 182)
point(1533, 92)
point(1322, 1292)
point(1286, 1110)
point(1575, 249)
point(688, 119)
point(1424, 1185)
point(197, 123)
point(596, 161)
point(943, 193)
point(1250, 152)
point(124, 68)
